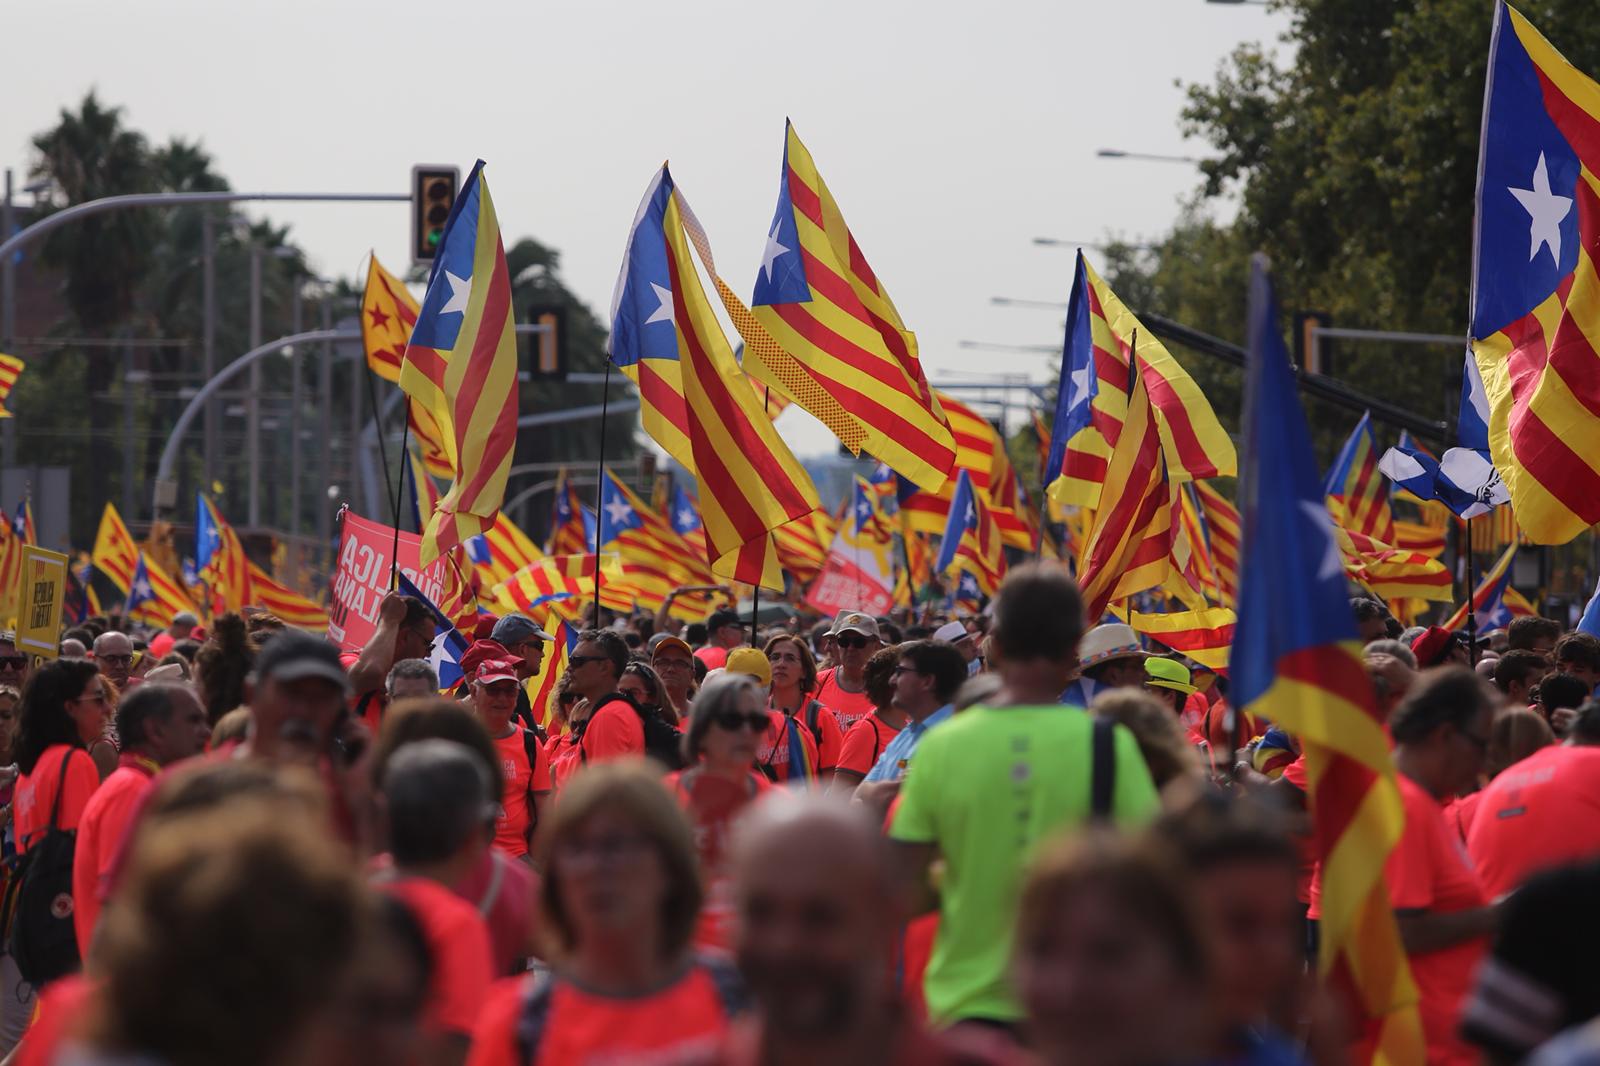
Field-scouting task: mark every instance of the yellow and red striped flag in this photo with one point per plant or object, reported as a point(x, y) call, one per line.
point(1393, 573)
point(564, 583)
point(822, 330)
point(14, 535)
point(504, 550)
point(284, 602)
point(802, 544)
point(1296, 662)
point(388, 311)
point(10, 369)
point(461, 367)
point(115, 554)
point(1494, 602)
point(1222, 534)
point(1536, 285)
point(978, 451)
point(971, 542)
point(154, 597)
point(1128, 544)
point(1204, 635)
point(572, 524)
point(220, 557)
point(1420, 537)
point(1094, 397)
point(694, 398)
point(541, 687)
point(1357, 492)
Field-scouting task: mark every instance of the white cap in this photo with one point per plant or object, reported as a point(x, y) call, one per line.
point(951, 632)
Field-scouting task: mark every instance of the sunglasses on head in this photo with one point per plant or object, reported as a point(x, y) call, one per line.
point(733, 721)
point(852, 640)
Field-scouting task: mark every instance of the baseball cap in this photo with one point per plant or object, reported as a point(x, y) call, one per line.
point(294, 656)
point(855, 622)
point(1106, 642)
point(1432, 645)
point(492, 670)
point(751, 661)
point(667, 640)
point(185, 618)
point(516, 628)
point(951, 632)
point(1165, 673)
point(725, 616)
point(479, 651)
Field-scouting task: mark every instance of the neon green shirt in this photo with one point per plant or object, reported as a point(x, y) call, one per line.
point(986, 787)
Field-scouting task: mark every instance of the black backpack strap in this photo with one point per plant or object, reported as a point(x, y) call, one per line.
point(1103, 771)
point(813, 709)
point(61, 786)
point(531, 748)
point(535, 1015)
point(365, 700)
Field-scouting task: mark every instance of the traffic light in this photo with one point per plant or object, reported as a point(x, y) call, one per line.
point(433, 192)
point(549, 348)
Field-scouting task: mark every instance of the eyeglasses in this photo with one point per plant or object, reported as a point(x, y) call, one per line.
point(13, 662)
point(575, 661)
point(115, 660)
point(852, 641)
point(99, 697)
point(897, 671)
point(671, 662)
point(733, 721)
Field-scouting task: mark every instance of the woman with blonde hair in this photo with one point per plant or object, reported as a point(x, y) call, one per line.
point(1174, 762)
point(618, 904)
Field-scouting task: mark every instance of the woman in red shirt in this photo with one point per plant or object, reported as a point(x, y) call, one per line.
point(618, 907)
point(794, 687)
point(1441, 734)
point(63, 711)
point(726, 724)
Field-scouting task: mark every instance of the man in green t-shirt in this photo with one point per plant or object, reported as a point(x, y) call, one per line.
point(986, 787)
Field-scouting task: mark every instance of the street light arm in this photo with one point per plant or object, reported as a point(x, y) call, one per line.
point(33, 232)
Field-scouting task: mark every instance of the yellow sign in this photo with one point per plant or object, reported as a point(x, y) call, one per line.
point(43, 588)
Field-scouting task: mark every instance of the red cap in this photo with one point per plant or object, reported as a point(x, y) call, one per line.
point(492, 670)
point(483, 629)
point(1432, 645)
point(479, 651)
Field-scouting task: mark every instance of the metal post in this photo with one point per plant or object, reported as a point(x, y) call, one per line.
point(295, 399)
point(325, 432)
point(208, 338)
point(8, 316)
point(129, 500)
point(358, 370)
point(252, 402)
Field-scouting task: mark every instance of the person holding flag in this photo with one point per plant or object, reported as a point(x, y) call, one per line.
point(405, 631)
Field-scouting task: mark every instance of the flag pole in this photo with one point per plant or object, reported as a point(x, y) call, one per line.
point(1472, 607)
point(399, 490)
point(600, 490)
point(755, 597)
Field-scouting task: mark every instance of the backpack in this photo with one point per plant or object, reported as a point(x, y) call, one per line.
point(813, 708)
point(1103, 770)
point(662, 743)
point(43, 940)
point(535, 1012)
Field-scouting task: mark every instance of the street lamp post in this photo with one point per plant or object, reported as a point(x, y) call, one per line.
point(1148, 157)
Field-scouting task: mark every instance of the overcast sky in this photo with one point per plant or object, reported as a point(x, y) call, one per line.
point(951, 134)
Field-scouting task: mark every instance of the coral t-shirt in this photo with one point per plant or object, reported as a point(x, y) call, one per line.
point(788, 751)
point(682, 1024)
point(36, 793)
point(502, 890)
point(848, 707)
point(1429, 871)
point(712, 804)
point(458, 941)
point(614, 730)
point(1543, 811)
point(863, 744)
point(105, 819)
point(523, 781)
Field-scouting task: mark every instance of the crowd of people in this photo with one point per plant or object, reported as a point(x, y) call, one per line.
point(1001, 839)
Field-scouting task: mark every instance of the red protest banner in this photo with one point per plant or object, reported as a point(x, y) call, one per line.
point(361, 578)
point(845, 585)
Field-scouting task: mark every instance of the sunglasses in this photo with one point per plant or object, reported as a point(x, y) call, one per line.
point(852, 641)
point(733, 721)
point(581, 660)
point(13, 662)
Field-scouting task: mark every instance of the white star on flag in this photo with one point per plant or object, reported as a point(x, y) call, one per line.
point(664, 312)
point(1332, 563)
point(619, 512)
point(686, 519)
point(773, 250)
point(460, 292)
point(1546, 211)
point(1079, 388)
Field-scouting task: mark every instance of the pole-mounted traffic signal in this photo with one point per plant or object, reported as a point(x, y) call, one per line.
point(433, 192)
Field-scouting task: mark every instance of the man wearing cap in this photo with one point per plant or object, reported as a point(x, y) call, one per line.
point(724, 632)
point(295, 695)
point(673, 661)
point(1437, 646)
point(524, 639)
point(843, 688)
point(182, 628)
point(956, 633)
point(1109, 657)
point(1168, 681)
point(523, 763)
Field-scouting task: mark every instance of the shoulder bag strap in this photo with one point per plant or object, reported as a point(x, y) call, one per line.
point(1103, 772)
point(61, 786)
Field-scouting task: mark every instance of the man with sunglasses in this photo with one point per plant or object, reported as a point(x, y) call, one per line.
point(724, 632)
point(15, 666)
point(593, 670)
point(843, 689)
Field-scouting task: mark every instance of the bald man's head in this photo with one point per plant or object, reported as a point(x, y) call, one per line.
point(817, 912)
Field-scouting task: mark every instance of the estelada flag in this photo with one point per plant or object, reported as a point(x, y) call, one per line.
point(388, 311)
point(1535, 287)
point(115, 554)
point(10, 369)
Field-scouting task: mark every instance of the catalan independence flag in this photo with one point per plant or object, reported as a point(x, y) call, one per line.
point(1357, 492)
point(1296, 662)
point(1535, 286)
point(1093, 400)
point(981, 452)
point(1128, 545)
point(285, 603)
point(694, 398)
point(153, 596)
point(1204, 635)
point(822, 330)
point(1222, 534)
point(502, 551)
point(541, 687)
point(461, 366)
point(1393, 573)
point(971, 541)
point(1494, 602)
point(219, 555)
point(115, 554)
point(388, 311)
point(10, 369)
point(572, 524)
